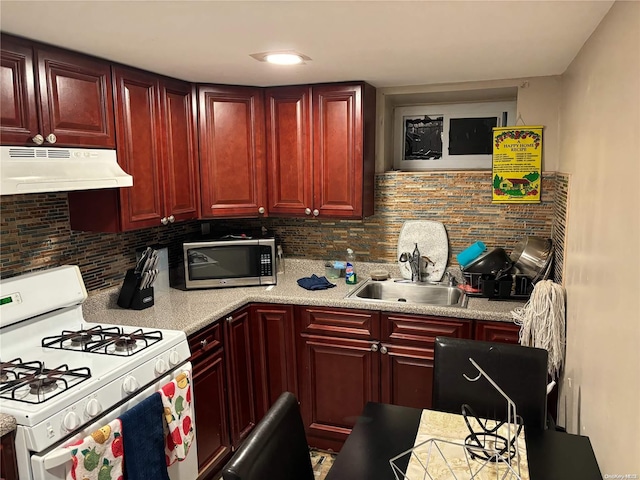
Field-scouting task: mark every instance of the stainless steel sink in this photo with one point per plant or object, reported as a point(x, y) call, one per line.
point(423, 293)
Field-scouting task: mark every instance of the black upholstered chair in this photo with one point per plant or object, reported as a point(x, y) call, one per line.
point(521, 372)
point(277, 448)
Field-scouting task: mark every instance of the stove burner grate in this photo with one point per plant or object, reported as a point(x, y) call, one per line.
point(104, 340)
point(125, 343)
point(31, 382)
point(42, 386)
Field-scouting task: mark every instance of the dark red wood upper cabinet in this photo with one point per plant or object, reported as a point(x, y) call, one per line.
point(344, 150)
point(289, 161)
point(76, 98)
point(139, 146)
point(155, 126)
point(337, 151)
point(320, 150)
point(64, 97)
point(18, 118)
point(181, 171)
point(232, 156)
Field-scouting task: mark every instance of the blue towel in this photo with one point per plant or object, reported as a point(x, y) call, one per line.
point(315, 283)
point(143, 441)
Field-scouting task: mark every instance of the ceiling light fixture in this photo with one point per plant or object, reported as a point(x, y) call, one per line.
point(281, 58)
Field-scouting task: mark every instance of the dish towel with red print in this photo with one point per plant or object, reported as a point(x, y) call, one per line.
point(179, 428)
point(98, 456)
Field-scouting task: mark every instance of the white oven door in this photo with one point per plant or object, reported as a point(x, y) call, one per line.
point(55, 463)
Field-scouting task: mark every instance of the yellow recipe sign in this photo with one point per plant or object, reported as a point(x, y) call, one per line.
point(517, 164)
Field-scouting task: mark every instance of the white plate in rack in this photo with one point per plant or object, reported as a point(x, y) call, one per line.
point(432, 241)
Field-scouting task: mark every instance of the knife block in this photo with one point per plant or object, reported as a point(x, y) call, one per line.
point(130, 294)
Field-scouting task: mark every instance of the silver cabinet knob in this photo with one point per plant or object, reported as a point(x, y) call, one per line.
point(307, 211)
point(261, 210)
point(316, 212)
point(229, 319)
point(374, 347)
point(383, 349)
point(204, 343)
point(51, 138)
point(164, 220)
point(38, 139)
point(171, 219)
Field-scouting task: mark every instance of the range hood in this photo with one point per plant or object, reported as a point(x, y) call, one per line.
point(39, 170)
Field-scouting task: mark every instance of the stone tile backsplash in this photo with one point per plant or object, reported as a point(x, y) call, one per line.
point(35, 231)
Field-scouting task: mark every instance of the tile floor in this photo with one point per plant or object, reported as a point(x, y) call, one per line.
point(321, 461)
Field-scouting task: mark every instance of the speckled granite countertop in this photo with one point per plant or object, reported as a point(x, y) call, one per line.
point(194, 309)
point(7, 424)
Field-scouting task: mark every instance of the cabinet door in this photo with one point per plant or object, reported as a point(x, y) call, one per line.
point(210, 410)
point(242, 399)
point(337, 378)
point(8, 462)
point(289, 162)
point(18, 117)
point(75, 98)
point(232, 157)
point(343, 150)
point(497, 332)
point(139, 147)
point(407, 375)
point(181, 175)
point(274, 348)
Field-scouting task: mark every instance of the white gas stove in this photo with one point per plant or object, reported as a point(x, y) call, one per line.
point(59, 374)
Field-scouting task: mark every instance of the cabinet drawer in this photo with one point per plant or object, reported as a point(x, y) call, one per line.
point(502, 332)
point(206, 340)
point(356, 324)
point(422, 330)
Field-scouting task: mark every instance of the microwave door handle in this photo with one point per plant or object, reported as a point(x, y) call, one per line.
point(56, 458)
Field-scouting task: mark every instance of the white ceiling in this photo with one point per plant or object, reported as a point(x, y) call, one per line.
point(387, 43)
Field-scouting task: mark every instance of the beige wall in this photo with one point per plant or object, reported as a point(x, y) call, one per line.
point(600, 149)
point(538, 104)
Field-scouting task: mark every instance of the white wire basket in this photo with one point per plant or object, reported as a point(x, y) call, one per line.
point(490, 451)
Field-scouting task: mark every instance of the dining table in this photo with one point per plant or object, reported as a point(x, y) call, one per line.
point(384, 431)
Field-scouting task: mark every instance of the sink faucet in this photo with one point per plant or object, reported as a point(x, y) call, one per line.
point(415, 263)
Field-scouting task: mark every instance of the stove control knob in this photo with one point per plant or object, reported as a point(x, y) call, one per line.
point(130, 384)
point(93, 407)
point(161, 366)
point(174, 358)
point(70, 421)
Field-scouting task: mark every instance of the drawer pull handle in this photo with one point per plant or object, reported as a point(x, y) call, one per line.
point(204, 343)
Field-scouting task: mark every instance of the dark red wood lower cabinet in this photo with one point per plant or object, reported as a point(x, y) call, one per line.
point(241, 380)
point(338, 377)
point(210, 409)
point(274, 351)
point(8, 463)
point(407, 375)
point(502, 332)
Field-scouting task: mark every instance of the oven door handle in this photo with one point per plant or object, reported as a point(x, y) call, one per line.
point(56, 458)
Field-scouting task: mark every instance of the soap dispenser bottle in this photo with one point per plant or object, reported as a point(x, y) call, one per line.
point(350, 273)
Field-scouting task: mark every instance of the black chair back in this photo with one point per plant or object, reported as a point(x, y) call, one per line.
point(276, 449)
point(521, 372)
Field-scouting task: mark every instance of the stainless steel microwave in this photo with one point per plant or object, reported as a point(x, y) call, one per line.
point(230, 263)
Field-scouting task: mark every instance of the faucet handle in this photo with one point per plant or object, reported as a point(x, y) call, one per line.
point(427, 260)
point(451, 279)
